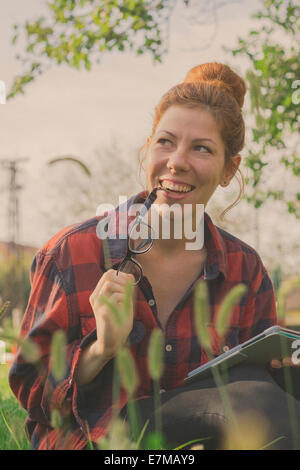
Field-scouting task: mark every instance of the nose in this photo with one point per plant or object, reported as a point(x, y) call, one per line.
point(178, 161)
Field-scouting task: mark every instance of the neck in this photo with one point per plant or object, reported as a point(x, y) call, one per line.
point(177, 233)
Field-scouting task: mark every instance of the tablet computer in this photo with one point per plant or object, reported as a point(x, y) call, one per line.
point(274, 343)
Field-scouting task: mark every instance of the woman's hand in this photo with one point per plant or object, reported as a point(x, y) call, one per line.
point(287, 361)
point(110, 335)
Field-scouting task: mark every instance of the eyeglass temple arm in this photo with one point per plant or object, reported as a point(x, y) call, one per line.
point(146, 206)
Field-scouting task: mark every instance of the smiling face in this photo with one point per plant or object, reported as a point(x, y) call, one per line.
point(187, 155)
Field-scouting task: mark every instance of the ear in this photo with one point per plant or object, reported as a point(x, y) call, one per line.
point(230, 170)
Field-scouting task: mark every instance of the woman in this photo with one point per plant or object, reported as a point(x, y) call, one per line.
point(197, 134)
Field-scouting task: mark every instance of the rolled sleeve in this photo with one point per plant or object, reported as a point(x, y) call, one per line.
point(35, 386)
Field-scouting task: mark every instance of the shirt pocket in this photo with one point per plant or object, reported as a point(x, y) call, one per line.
point(87, 324)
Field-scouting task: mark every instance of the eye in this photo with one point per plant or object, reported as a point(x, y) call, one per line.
point(163, 141)
point(203, 147)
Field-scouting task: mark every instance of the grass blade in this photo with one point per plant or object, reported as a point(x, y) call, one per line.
point(155, 365)
point(127, 369)
point(56, 419)
point(29, 350)
point(10, 430)
point(201, 308)
point(272, 442)
point(129, 380)
point(140, 438)
point(128, 300)
point(155, 354)
point(194, 441)
point(226, 308)
point(58, 346)
point(4, 308)
point(113, 307)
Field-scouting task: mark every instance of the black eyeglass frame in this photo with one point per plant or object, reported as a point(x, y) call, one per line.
point(130, 251)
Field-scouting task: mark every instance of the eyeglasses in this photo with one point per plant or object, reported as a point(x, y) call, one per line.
point(139, 230)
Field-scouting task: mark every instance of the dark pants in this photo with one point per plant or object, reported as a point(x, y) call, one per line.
point(198, 411)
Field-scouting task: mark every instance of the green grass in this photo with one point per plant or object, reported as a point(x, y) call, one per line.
point(12, 417)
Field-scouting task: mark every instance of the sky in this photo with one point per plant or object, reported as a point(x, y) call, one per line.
point(74, 112)
point(82, 108)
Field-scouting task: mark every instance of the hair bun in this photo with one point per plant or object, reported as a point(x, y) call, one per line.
point(221, 76)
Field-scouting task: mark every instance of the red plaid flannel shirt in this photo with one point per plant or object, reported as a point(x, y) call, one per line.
point(64, 273)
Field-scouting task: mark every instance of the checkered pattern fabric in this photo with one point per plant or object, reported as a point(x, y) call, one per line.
point(64, 273)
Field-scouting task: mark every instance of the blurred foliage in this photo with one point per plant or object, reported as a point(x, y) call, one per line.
point(226, 308)
point(274, 85)
point(78, 32)
point(155, 354)
point(12, 417)
point(202, 315)
point(118, 437)
point(276, 276)
point(285, 288)
point(239, 435)
point(15, 280)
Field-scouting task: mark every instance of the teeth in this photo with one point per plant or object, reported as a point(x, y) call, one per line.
point(176, 187)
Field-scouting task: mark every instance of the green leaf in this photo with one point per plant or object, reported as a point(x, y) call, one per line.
point(4, 308)
point(154, 441)
point(226, 309)
point(155, 354)
point(113, 307)
point(127, 370)
point(127, 305)
point(56, 419)
point(202, 315)
point(58, 358)
point(194, 441)
point(28, 348)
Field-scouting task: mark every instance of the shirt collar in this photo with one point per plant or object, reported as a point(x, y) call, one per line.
point(115, 224)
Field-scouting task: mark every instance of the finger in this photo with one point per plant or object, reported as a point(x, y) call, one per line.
point(118, 319)
point(124, 277)
point(117, 297)
point(118, 276)
point(109, 276)
point(275, 364)
point(110, 287)
point(287, 361)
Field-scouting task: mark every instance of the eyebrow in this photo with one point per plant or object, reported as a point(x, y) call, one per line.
point(202, 139)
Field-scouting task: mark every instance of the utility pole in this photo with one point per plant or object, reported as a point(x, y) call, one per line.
point(13, 215)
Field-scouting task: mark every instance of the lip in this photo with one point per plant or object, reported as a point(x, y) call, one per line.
point(174, 196)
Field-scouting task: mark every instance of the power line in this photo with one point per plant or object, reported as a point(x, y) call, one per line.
point(13, 213)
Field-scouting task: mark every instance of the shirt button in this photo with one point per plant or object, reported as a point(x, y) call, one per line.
point(169, 348)
point(151, 302)
point(226, 348)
